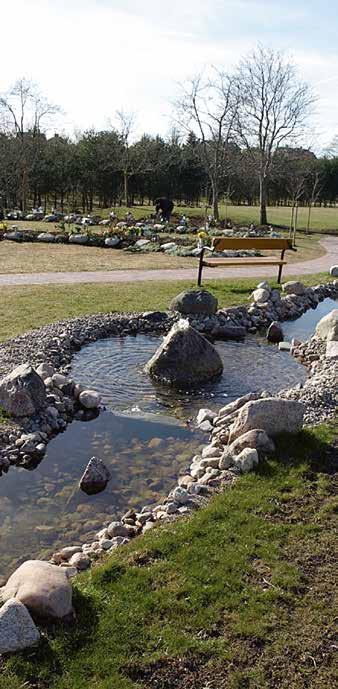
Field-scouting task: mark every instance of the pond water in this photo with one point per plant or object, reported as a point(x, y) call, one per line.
point(43, 509)
point(304, 327)
point(114, 367)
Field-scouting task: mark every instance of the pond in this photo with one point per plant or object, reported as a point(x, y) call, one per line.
point(145, 448)
point(114, 367)
point(304, 327)
point(44, 509)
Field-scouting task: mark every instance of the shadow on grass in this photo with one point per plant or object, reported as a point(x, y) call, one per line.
point(317, 451)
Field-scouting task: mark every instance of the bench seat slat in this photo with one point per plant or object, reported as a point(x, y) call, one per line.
point(263, 261)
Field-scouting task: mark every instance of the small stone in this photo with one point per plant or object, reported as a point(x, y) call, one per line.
point(261, 296)
point(180, 495)
point(275, 332)
point(117, 529)
point(211, 451)
point(90, 399)
point(294, 287)
point(334, 271)
point(284, 346)
point(246, 460)
point(226, 460)
point(205, 415)
point(17, 629)
point(59, 380)
point(80, 561)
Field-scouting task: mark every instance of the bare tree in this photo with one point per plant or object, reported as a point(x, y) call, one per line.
point(315, 187)
point(273, 109)
point(23, 111)
point(208, 107)
point(126, 125)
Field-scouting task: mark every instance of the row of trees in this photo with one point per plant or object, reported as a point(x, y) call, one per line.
point(236, 137)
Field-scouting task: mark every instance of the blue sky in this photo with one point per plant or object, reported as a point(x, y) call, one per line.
point(93, 57)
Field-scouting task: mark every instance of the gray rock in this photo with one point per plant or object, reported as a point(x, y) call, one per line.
point(89, 399)
point(17, 629)
point(261, 296)
point(45, 371)
point(271, 415)
point(78, 239)
point(205, 415)
point(294, 287)
point(112, 241)
point(284, 346)
point(264, 285)
point(246, 460)
point(227, 459)
point(180, 495)
point(80, 561)
point(275, 332)
point(46, 237)
point(22, 392)
point(117, 529)
point(95, 477)
point(42, 587)
point(334, 271)
point(256, 439)
point(327, 328)
point(198, 301)
point(185, 358)
point(332, 349)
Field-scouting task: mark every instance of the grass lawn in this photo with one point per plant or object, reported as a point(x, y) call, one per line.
point(321, 218)
point(41, 258)
point(28, 307)
point(238, 596)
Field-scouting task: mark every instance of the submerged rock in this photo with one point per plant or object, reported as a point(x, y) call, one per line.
point(185, 358)
point(17, 629)
point(195, 302)
point(95, 477)
point(22, 392)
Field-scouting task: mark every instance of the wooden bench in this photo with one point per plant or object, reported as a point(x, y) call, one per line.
point(233, 243)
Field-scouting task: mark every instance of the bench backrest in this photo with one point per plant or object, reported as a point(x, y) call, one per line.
point(222, 243)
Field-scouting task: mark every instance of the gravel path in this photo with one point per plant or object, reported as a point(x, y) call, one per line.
point(317, 265)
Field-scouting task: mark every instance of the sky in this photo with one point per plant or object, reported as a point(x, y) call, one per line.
point(94, 57)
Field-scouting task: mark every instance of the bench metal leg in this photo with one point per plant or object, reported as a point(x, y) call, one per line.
point(200, 268)
point(280, 267)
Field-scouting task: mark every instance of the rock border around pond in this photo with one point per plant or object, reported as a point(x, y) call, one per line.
point(241, 433)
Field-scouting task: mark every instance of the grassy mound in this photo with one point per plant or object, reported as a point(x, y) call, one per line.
point(238, 596)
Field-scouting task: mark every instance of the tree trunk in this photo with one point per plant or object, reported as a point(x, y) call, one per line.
point(215, 210)
point(263, 220)
point(308, 219)
point(125, 185)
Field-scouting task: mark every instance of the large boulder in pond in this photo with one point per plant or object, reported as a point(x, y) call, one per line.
point(42, 587)
point(22, 392)
point(327, 328)
point(270, 414)
point(185, 358)
point(197, 301)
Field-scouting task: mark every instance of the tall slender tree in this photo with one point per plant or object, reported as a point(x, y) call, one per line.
point(273, 109)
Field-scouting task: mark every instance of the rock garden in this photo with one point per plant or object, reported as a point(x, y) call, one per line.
point(188, 352)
